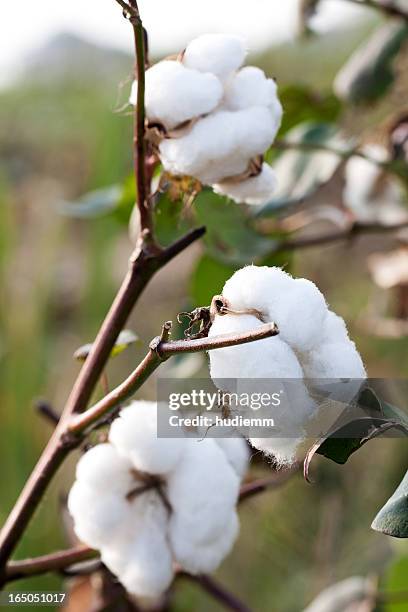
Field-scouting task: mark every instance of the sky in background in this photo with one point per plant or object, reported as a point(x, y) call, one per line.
point(27, 25)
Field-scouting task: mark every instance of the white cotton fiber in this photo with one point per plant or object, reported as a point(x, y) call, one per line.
point(220, 54)
point(336, 360)
point(203, 492)
point(295, 305)
point(99, 515)
point(148, 568)
point(250, 87)
point(102, 464)
point(175, 94)
point(256, 190)
point(268, 358)
point(134, 435)
point(237, 453)
point(207, 557)
point(283, 450)
point(219, 145)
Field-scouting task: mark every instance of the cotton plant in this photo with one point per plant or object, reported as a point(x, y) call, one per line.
point(154, 505)
point(215, 118)
point(313, 344)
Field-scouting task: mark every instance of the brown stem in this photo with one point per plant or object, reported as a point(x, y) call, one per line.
point(355, 229)
point(227, 599)
point(159, 352)
point(140, 272)
point(260, 485)
point(52, 562)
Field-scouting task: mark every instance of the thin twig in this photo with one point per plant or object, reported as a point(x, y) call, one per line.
point(48, 563)
point(389, 8)
point(144, 262)
point(159, 352)
point(227, 599)
point(250, 489)
point(355, 229)
point(47, 411)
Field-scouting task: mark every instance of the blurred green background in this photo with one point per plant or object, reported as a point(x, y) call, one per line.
point(63, 132)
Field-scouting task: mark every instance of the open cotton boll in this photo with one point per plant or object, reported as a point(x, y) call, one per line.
point(219, 54)
point(256, 190)
point(202, 492)
point(143, 563)
point(207, 557)
point(103, 464)
point(250, 287)
point(237, 453)
point(283, 450)
point(134, 435)
point(250, 87)
point(334, 329)
point(269, 358)
point(335, 360)
point(219, 145)
point(175, 94)
point(295, 305)
point(98, 514)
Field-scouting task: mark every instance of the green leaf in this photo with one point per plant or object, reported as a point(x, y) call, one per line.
point(301, 171)
point(229, 237)
point(350, 434)
point(208, 279)
point(93, 204)
point(302, 104)
point(369, 73)
point(125, 339)
point(171, 219)
point(392, 519)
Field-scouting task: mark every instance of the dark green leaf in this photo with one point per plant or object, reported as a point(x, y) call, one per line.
point(229, 237)
point(369, 72)
point(392, 519)
point(302, 104)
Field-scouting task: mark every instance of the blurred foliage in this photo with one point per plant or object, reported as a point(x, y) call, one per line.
point(370, 71)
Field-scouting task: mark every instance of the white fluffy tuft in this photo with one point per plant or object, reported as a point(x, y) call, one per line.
point(220, 54)
point(134, 435)
point(257, 190)
point(175, 94)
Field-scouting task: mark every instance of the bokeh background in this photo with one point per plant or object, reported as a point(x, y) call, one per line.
point(65, 130)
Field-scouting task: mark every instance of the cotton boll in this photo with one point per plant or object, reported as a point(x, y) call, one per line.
point(207, 557)
point(283, 450)
point(299, 313)
point(219, 54)
point(335, 360)
point(249, 87)
point(295, 305)
point(334, 329)
point(102, 464)
point(219, 145)
point(175, 94)
point(202, 492)
point(251, 286)
point(268, 358)
point(256, 190)
point(98, 515)
point(237, 453)
point(134, 435)
point(143, 562)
